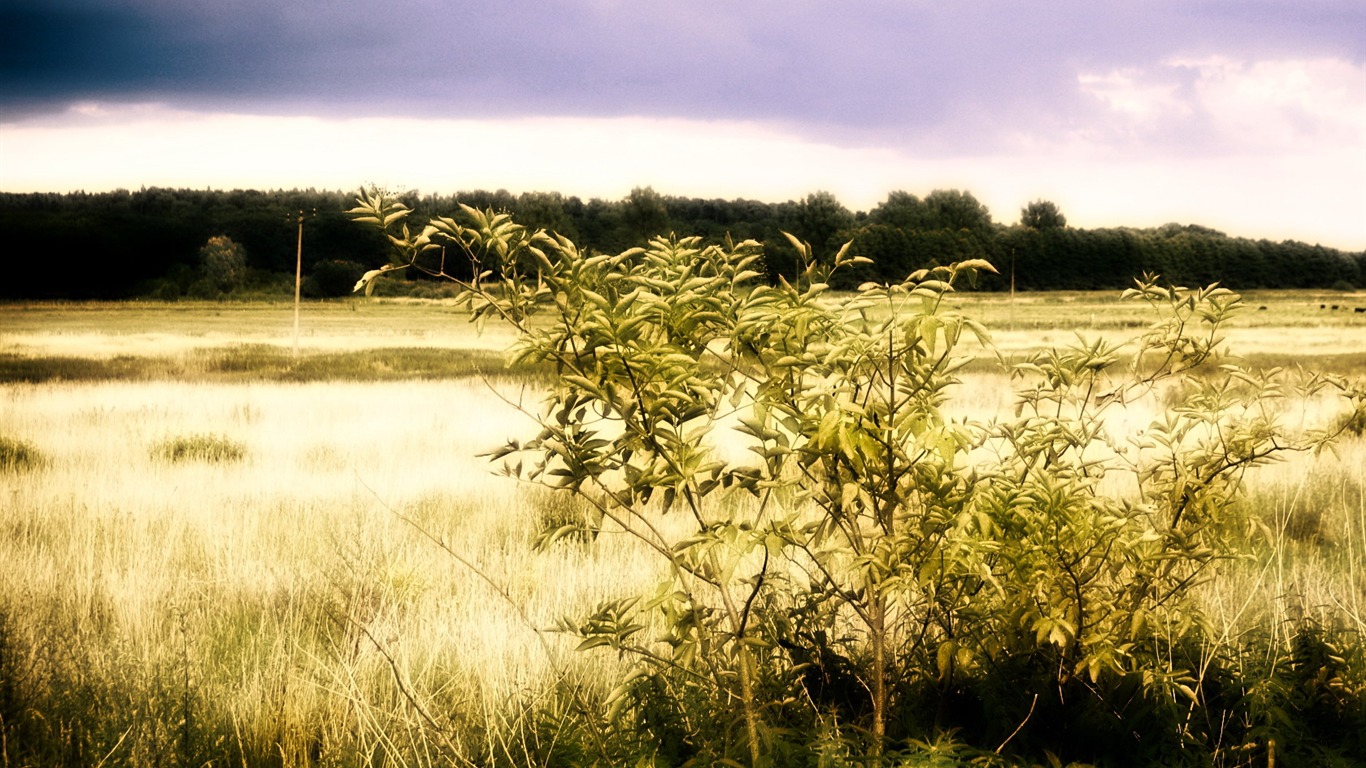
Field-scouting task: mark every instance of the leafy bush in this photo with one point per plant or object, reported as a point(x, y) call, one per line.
point(203, 289)
point(224, 263)
point(212, 449)
point(331, 279)
point(18, 455)
point(165, 290)
point(875, 576)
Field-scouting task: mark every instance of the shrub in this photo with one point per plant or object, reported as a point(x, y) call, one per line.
point(331, 279)
point(1354, 422)
point(877, 575)
point(18, 455)
point(212, 449)
point(223, 263)
point(165, 290)
point(203, 289)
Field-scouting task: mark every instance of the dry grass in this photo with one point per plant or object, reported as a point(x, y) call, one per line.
point(260, 608)
point(273, 582)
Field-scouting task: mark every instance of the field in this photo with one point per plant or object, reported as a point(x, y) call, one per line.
point(215, 553)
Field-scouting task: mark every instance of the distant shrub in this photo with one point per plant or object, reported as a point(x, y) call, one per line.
point(165, 290)
point(331, 279)
point(203, 289)
point(224, 263)
point(213, 449)
point(415, 289)
point(18, 455)
point(1342, 285)
point(1354, 422)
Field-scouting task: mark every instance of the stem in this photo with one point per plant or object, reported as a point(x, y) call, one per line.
point(746, 662)
point(879, 615)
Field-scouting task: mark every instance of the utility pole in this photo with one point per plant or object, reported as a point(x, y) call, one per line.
point(1012, 289)
point(299, 277)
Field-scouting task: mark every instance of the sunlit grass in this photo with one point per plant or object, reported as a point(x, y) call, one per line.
point(390, 339)
point(356, 569)
point(263, 362)
point(264, 589)
point(1307, 553)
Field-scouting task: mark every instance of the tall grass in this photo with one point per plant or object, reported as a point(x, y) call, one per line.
point(261, 608)
point(358, 588)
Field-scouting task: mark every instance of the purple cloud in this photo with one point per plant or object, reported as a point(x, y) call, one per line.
point(969, 75)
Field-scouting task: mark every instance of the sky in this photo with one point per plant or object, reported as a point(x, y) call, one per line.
point(1248, 116)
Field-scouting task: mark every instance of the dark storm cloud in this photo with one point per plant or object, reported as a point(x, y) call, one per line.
point(883, 66)
point(57, 50)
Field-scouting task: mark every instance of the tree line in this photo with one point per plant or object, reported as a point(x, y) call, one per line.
point(157, 241)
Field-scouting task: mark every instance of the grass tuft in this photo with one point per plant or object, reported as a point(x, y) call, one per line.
point(213, 449)
point(1354, 423)
point(18, 455)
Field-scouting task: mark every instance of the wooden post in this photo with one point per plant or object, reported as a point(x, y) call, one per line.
point(298, 281)
point(1012, 290)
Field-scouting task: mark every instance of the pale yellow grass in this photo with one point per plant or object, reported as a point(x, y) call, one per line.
point(275, 586)
point(1294, 326)
point(277, 580)
point(1313, 565)
point(150, 329)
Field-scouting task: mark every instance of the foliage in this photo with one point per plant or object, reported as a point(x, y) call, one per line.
point(956, 210)
point(212, 449)
point(1042, 214)
point(130, 243)
point(644, 214)
point(223, 262)
point(332, 278)
point(897, 574)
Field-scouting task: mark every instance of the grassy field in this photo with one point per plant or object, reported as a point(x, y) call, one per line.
point(1278, 327)
point(216, 554)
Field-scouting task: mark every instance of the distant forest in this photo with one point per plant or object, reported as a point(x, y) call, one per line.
point(156, 242)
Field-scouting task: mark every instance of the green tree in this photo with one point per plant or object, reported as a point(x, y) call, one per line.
point(224, 263)
point(1042, 215)
point(901, 210)
point(644, 214)
point(820, 220)
point(956, 210)
point(545, 210)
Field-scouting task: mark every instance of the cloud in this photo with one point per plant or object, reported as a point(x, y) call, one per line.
point(1228, 106)
point(916, 70)
point(706, 97)
point(1268, 104)
point(1313, 195)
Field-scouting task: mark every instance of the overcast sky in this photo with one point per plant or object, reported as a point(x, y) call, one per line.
point(1245, 115)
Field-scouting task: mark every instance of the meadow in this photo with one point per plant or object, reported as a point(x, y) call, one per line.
point(216, 553)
